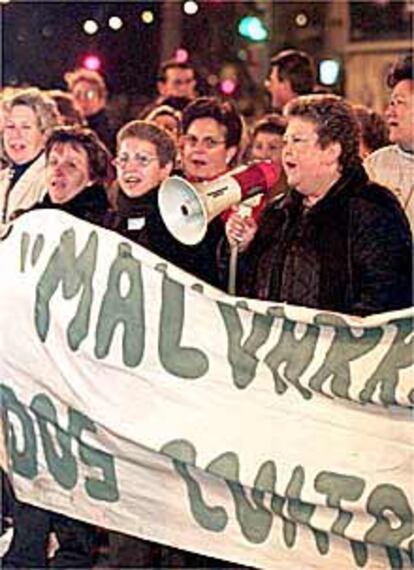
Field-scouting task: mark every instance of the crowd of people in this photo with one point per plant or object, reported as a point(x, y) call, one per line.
point(335, 233)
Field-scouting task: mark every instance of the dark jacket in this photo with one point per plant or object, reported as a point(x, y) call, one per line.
point(351, 252)
point(99, 122)
point(139, 220)
point(90, 205)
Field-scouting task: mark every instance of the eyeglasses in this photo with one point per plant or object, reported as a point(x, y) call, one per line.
point(142, 160)
point(207, 143)
point(89, 94)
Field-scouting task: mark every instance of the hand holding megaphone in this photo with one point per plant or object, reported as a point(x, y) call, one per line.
point(241, 227)
point(188, 208)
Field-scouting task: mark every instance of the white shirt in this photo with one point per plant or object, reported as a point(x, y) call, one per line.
point(393, 167)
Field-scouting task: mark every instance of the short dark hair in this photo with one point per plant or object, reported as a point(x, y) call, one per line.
point(224, 113)
point(401, 70)
point(172, 64)
point(335, 121)
point(147, 131)
point(273, 124)
point(297, 67)
point(99, 157)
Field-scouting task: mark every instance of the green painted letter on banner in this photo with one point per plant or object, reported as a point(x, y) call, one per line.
point(123, 308)
point(75, 273)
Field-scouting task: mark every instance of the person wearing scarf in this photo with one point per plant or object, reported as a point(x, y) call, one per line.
point(145, 158)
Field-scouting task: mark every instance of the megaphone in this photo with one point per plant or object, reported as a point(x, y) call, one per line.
point(187, 208)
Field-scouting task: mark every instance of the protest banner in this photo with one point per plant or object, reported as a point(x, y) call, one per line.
point(139, 399)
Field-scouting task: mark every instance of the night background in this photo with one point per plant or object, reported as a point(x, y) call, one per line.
point(43, 40)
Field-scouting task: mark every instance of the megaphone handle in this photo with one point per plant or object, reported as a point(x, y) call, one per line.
point(234, 251)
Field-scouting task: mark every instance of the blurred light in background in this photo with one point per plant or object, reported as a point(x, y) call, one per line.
point(190, 7)
point(252, 28)
point(147, 16)
point(90, 27)
point(181, 55)
point(301, 20)
point(115, 23)
point(92, 62)
point(228, 86)
point(329, 71)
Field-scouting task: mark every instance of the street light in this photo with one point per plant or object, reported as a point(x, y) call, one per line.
point(190, 7)
point(115, 23)
point(253, 29)
point(91, 62)
point(90, 27)
point(147, 16)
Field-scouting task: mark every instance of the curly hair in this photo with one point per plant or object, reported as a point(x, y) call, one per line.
point(334, 120)
point(148, 131)
point(401, 70)
point(99, 157)
point(224, 113)
point(43, 106)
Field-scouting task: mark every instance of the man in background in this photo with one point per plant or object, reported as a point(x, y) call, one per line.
point(176, 79)
point(292, 73)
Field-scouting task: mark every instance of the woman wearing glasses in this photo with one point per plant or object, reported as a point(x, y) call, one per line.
point(212, 133)
point(145, 157)
point(211, 138)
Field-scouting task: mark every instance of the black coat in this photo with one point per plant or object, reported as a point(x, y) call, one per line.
point(90, 205)
point(139, 220)
point(351, 252)
point(99, 123)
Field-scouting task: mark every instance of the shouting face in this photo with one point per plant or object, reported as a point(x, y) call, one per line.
point(67, 172)
point(138, 167)
point(400, 114)
point(204, 152)
point(23, 139)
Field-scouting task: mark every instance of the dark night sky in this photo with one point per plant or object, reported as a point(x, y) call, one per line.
point(42, 40)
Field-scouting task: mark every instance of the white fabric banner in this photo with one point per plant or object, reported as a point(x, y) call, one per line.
point(139, 399)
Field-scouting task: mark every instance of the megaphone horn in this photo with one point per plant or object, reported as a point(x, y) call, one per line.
point(187, 208)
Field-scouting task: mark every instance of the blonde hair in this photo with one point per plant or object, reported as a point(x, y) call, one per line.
point(42, 105)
